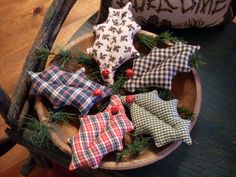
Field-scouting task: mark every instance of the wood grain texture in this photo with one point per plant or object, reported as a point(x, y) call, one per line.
point(20, 23)
point(52, 23)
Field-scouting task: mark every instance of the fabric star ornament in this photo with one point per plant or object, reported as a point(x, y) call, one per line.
point(159, 67)
point(114, 41)
point(65, 89)
point(99, 135)
point(158, 118)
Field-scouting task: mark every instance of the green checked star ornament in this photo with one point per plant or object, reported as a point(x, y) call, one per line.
point(158, 118)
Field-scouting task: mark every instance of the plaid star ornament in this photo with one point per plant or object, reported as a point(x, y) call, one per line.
point(158, 118)
point(64, 89)
point(114, 41)
point(160, 66)
point(99, 135)
point(60, 77)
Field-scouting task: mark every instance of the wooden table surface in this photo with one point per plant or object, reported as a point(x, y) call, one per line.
point(213, 153)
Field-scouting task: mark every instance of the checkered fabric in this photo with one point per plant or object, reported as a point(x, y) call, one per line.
point(60, 77)
point(114, 41)
point(99, 135)
point(159, 67)
point(65, 89)
point(158, 118)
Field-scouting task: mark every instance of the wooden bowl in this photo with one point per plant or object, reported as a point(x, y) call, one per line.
point(186, 88)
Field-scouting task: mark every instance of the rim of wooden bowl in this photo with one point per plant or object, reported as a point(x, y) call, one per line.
point(147, 157)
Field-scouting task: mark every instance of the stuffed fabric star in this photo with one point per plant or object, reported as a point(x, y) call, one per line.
point(160, 119)
point(99, 135)
point(57, 76)
point(159, 67)
point(65, 89)
point(114, 41)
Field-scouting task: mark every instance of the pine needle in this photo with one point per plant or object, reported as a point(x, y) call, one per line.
point(150, 41)
point(185, 113)
point(40, 132)
point(64, 56)
point(91, 65)
point(138, 145)
point(117, 87)
point(196, 61)
point(167, 36)
point(165, 94)
point(42, 52)
point(62, 116)
point(147, 40)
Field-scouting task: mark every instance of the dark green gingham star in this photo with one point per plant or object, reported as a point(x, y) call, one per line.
point(158, 118)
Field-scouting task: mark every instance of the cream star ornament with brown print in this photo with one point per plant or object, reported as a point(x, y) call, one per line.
point(113, 45)
point(160, 66)
point(153, 116)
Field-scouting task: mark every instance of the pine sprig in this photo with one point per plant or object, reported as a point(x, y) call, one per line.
point(117, 87)
point(185, 113)
point(196, 61)
point(40, 132)
point(138, 145)
point(91, 65)
point(167, 36)
point(61, 116)
point(165, 94)
point(64, 56)
point(150, 41)
point(42, 52)
point(147, 40)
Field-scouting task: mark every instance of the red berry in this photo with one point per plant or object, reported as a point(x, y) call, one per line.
point(129, 73)
point(97, 92)
point(105, 73)
point(129, 99)
point(114, 109)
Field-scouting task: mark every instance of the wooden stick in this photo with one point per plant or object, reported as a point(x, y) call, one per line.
point(52, 23)
point(28, 166)
point(5, 102)
point(103, 11)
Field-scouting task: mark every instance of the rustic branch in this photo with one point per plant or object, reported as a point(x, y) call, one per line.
point(52, 23)
point(5, 102)
point(103, 12)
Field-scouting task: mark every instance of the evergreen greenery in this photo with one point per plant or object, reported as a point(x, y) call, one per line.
point(61, 116)
point(196, 61)
point(64, 56)
point(42, 52)
point(40, 132)
point(91, 66)
point(185, 113)
point(165, 94)
point(167, 36)
point(150, 41)
point(117, 87)
point(138, 145)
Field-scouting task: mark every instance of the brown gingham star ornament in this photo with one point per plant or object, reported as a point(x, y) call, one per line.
point(153, 116)
point(160, 66)
point(114, 41)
